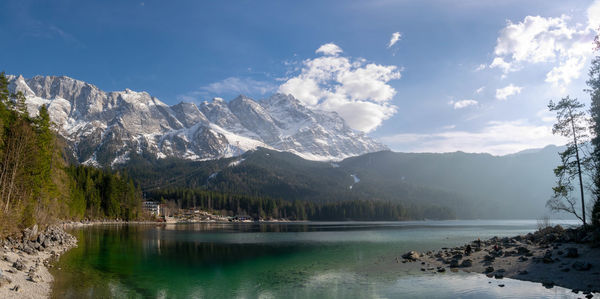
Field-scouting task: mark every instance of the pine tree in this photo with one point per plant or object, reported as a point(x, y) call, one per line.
point(570, 119)
point(594, 90)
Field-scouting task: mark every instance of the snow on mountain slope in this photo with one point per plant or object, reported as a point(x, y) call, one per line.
point(104, 128)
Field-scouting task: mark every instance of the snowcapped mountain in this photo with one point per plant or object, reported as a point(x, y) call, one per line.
point(104, 128)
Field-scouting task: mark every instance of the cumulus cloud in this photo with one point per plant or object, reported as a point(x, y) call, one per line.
point(463, 103)
point(510, 90)
point(329, 49)
point(357, 90)
point(230, 86)
point(394, 39)
point(480, 90)
point(593, 14)
point(497, 137)
point(553, 41)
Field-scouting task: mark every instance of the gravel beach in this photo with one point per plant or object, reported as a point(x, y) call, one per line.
point(24, 261)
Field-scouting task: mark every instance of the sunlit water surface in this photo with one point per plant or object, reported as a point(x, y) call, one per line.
point(291, 260)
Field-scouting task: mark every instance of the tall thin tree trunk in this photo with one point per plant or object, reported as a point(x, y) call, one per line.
point(12, 184)
point(578, 167)
point(17, 152)
point(8, 162)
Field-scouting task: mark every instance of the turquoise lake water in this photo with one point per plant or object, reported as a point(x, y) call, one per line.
point(280, 260)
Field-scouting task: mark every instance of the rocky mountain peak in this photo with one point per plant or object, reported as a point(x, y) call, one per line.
point(105, 128)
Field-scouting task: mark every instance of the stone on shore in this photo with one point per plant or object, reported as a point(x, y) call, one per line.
point(553, 256)
point(411, 255)
point(466, 263)
point(25, 259)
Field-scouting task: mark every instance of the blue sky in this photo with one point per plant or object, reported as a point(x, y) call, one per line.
point(439, 87)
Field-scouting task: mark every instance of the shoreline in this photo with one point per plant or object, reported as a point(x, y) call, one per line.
point(553, 257)
point(75, 224)
point(25, 261)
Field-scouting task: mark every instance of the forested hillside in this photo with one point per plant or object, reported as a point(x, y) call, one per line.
point(37, 186)
point(425, 185)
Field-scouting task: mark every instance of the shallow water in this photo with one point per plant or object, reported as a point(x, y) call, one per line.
point(290, 260)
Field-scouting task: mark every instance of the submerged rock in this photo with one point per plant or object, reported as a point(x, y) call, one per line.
point(581, 266)
point(572, 252)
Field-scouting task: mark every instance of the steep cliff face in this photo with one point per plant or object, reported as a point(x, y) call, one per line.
point(104, 128)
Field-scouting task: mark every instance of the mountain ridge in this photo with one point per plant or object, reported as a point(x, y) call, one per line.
point(104, 128)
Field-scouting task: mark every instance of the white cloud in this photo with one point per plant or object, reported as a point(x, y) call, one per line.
point(571, 67)
point(499, 62)
point(394, 39)
point(553, 41)
point(593, 14)
point(480, 90)
point(480, 67)
point(498, 138)
point(353, 88)
point(546, 116)
point(504, 93)
point(463, 103)
point(231, 85)
point(329, 49)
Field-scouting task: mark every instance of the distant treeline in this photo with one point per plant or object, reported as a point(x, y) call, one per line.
point(37, 187)
point(262, 207)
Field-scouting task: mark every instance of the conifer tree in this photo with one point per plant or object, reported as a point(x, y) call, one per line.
point(594, 90)
point(570, 123)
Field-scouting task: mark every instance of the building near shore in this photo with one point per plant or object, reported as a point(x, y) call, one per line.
point(152, 207)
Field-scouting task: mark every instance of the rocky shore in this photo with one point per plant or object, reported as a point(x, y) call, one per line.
point(24, 261)
point(552, 256)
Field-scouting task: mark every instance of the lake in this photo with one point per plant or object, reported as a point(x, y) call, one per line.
point(280, 260)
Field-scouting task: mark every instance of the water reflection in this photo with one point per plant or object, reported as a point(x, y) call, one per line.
point(297, 260)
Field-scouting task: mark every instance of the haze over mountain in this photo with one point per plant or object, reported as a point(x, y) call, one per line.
point(461, 185)
point(104, 128)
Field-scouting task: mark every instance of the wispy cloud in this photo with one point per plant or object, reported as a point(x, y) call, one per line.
point(67, 37)
point(394, 39)
point(230, 86)
point(30, 26)
point(496, 137)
